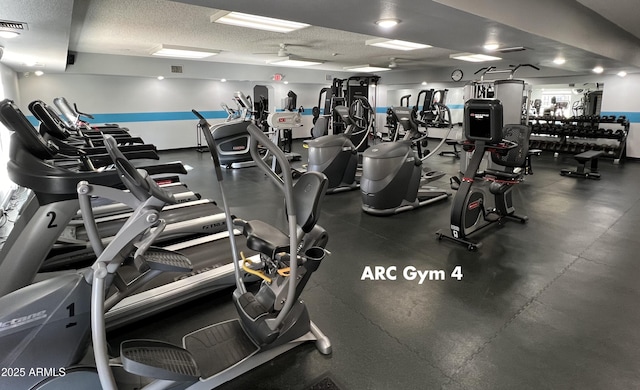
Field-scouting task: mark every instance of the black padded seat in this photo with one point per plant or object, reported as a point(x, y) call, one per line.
point(264, 238)
point(308, 193)
point(503, 175)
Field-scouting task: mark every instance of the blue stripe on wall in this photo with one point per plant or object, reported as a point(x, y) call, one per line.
point(633, 117)
point(152, 116)
point(188, 115)
point(146, 117)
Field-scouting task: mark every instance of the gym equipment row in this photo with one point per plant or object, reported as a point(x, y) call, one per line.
point(574, 147)
point(582, 133)
point(583, 119)
point(572, 130)
point(270, 322)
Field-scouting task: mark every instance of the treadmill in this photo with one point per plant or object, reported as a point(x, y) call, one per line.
point(199, 217)
point(56, 202)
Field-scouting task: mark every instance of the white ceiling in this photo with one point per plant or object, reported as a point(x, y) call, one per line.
point(585, 32)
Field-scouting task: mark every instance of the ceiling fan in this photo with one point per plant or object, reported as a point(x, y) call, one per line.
point(282, 49)
point(395, 62)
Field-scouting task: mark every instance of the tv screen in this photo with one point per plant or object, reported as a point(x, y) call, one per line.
point(479, 124)
point(483, 120)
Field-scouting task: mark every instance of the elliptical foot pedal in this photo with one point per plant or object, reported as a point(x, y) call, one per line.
point(220, 346)
point(432, 175)
point(164, 260)
point(159, 360)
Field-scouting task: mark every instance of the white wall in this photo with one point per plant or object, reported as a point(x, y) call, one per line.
point(131, 96)
point(621, 96)
point(113, 92)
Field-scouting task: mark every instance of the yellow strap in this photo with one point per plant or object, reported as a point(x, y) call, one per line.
point(248, 270)
point(284, 271)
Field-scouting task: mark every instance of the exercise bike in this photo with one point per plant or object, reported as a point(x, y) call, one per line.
point(508, 146)
point(393, 180)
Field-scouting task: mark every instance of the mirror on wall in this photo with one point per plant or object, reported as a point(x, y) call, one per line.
point(566, 100)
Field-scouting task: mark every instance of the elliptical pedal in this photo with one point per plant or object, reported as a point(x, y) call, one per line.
point(164, 260)
point(157, 359)
point(219, 346)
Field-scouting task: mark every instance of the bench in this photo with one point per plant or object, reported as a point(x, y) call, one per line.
point(582, 170)
point(453, 153)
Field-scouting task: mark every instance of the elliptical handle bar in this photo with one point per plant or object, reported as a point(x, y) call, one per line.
point(286, 184)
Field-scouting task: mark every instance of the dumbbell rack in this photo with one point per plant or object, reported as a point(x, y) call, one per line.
point(578, 134)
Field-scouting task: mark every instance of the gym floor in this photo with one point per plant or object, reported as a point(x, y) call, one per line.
point(551, 304)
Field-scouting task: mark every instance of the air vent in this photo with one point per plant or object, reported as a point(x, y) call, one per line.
point(176, 68)
point(9, 25)
point(328, 77)
point(511, 49)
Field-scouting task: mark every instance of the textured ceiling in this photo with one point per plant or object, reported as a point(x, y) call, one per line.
point(339, 30)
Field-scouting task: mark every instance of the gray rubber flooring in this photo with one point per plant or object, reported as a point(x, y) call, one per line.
point(551, 304)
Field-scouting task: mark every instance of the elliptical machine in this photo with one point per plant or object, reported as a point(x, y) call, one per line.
point(392, 177)
point(232, 138)
point(59, 312)
point(335, 155)
point(508, 147)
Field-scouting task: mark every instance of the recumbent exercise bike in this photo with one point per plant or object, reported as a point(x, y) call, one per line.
point(508, 146)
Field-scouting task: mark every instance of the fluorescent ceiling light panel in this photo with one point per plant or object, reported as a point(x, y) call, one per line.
point(366, 68)
point(294, 61)
point(470, 57)
point(491, 46)
point(8, 34)
point(256, 22)
point(395, 44)
point(598, 69)
point(559, 61)
point(183, 52)
point(622, 73)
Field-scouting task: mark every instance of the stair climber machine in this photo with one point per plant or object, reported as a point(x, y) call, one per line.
point(67, 312)
point(49, 213)
point(335, 155)
point(508, 147)
point(393, 179)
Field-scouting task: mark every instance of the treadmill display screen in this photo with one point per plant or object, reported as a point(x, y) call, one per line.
point(480, 124)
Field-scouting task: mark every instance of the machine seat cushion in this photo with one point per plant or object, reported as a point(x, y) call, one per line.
point(264, 238)
point(503, 175)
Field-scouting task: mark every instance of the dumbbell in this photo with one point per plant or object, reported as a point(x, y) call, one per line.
point(619, 134)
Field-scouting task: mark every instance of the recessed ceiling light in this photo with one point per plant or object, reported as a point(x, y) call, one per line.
point(223, 80)
point(160, 77)
point(622, 73)
point(294, 61)
point(424, 83)
point(285, 82)
point(491, 46)
point(598, 69)
point(366, 68)
point(470, 57)
point(8, 34)
point(395, 44)
point(559, 61)
point(256, 22)
point(38, 73)
point(387, 23)
point(183, 52)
